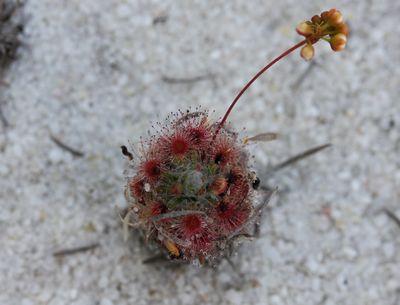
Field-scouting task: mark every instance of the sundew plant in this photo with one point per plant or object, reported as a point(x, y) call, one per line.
point(190, 189)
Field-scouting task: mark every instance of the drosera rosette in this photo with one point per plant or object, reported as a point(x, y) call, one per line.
point(190, 187)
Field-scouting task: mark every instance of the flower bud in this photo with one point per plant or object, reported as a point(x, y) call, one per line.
point(338, 42)
point(307, 52)
point(305, 29)
point(325, 15)
point(336, 17)
point(316, 19)
point(342, 28)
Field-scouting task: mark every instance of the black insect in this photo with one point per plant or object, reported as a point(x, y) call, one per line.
point(256, 183)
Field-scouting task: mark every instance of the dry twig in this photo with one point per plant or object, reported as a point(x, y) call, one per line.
point(186, 80)
point(300, 156)
point(392, 216)
point(73, 151)
point(71, 251)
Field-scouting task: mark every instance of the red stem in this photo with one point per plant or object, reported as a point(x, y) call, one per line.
point(287, 52)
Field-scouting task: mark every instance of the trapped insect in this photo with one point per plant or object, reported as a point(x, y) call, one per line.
point(190, 189)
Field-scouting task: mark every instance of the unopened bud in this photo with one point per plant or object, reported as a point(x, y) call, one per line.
point(342, 28)
point(316, 19)
point(325, 15)
point(338, 42)
point(336, 17)
point(305, 29)
point(307, 52)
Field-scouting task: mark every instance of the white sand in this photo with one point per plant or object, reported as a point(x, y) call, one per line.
point(91, 73)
